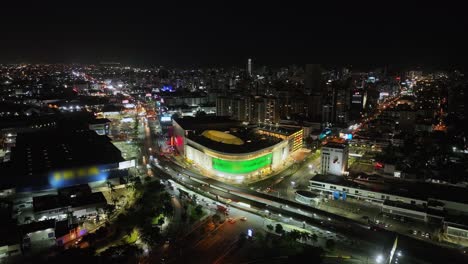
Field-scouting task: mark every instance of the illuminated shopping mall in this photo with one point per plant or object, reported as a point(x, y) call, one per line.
point(234, 151)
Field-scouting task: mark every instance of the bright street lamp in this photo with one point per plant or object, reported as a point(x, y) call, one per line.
point(379, 259)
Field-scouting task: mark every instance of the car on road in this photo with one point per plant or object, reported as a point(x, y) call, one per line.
point(231, 220)
point(243, 218)
point(78, 241)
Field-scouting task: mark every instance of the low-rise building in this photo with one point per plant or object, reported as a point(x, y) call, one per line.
point(420, 201)
point(334, 159)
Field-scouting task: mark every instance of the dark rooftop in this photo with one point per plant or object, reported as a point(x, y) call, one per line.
point(49, 202)
point(38, 154)
point(99, 121)
point(37, 226)
point(335, 145)
point(63, 228)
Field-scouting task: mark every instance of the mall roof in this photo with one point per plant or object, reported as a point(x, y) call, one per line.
point(222, 137)
point(38, 154)
point(417, 190)
point(253, 141)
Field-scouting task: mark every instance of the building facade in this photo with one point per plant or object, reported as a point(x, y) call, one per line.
point(334, 159)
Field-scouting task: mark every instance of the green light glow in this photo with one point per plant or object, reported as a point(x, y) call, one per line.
point(241, 166)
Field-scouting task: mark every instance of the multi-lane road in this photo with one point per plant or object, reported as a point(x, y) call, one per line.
point(416, 250)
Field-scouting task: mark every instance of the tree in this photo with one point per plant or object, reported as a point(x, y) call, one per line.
point(279, 229)
point(314, 237)
point(216, 219)
point(330, 244)
point(76, 254)
point(121, 254)
point(198, 210)
point(305, 236)
point(270, 227)
point(150, 234)
point(309, 253)
point(294, 234)
point(161, 221)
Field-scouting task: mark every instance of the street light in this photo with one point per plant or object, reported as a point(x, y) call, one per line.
point(379, 259)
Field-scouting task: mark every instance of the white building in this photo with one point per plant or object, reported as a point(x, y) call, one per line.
point(334, 159)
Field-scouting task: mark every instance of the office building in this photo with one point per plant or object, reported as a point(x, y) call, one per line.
point(334, 159)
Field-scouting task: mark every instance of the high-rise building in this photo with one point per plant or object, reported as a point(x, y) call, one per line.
point(249, 67)
point(314, 107)
point(313, 82)
point(314, 89)
point(334, 159)
point(358, 101)
point(255, 109)
point(342, 104)
point(223, 105)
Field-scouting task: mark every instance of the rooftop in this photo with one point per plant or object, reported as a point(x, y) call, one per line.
point(282, 129)
point(335, 145)
point(37, 226)
point(222, 137)
point(99, 121)
point(63, 228)
point(37, 155)
point(49, 202)
point(417, 190)
point(253, 141)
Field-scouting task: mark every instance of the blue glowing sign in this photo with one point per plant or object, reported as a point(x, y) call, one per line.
point(167, 88)
point(346, 136)
point(325, 133)
point(60, 179)
point(249, 232)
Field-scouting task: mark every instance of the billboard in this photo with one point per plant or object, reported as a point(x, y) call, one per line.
point(166, 119)
point(241, 166)
point(346, 136)
point(64, 178)
point(126, 164)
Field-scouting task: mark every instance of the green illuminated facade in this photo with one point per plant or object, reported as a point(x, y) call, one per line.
point(241, 166)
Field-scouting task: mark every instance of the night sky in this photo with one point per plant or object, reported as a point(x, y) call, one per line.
point(227, 34)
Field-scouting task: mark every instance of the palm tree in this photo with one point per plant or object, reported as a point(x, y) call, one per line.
point(314, 238)
point(295, 235)
point(305, 236)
